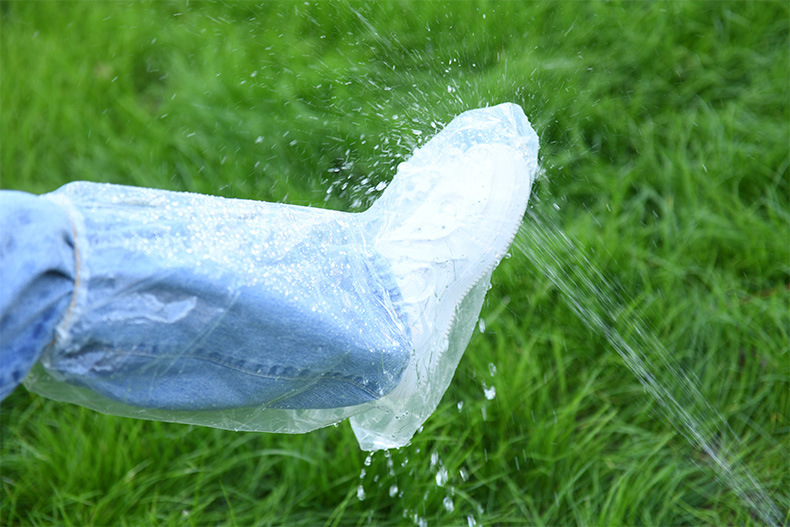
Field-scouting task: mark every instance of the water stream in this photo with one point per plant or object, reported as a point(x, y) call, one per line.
point(598, 302)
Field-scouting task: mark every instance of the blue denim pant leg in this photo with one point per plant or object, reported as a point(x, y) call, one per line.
point(37, 273)
point(191, 302)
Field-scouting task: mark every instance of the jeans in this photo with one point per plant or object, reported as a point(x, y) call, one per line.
point(166, 305)
point(37, 274)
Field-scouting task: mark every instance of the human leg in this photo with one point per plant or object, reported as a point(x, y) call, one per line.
point(256, 316)
point(192, 303)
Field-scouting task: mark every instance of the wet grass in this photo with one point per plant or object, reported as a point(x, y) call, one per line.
point(664, 131)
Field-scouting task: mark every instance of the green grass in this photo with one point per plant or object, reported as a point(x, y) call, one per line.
point(665, 135)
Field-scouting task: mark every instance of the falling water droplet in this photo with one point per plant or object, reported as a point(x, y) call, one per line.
point(489, 392)
point(492, 369)
point(442, 477)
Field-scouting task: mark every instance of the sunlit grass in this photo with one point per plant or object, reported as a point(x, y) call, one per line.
point(664, 132)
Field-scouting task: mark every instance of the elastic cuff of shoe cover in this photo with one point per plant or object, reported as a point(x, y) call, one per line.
point(37, 262)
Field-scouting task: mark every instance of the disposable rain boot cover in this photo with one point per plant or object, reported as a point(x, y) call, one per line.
point(242, 315)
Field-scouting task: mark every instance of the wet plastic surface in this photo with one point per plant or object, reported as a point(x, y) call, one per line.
point(268, 317)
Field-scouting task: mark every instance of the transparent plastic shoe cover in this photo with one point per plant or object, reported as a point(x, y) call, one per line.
point(268, 317)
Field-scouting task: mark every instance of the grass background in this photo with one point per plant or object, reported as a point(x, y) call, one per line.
point(664, 133)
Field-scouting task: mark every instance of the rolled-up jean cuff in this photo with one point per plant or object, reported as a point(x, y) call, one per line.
point(37, 277)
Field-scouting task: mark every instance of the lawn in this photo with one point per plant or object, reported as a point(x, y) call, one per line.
point(637, 339)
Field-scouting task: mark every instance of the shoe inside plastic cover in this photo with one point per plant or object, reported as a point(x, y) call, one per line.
point(257, 316)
